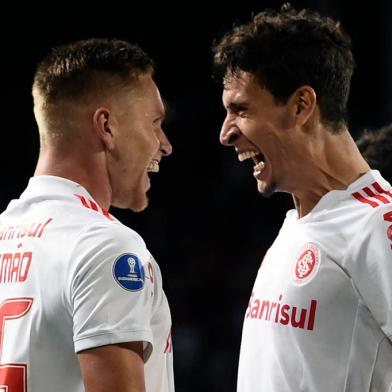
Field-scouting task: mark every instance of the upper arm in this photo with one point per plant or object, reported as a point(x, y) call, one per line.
point(118, 367)
point(110, 298)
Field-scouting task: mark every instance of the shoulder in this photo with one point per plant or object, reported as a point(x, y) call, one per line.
point(357, 216)
point(372, 235)
point(371, 201)
point(107, 250)
point(378, 220)
point(111, 235)
point(364, 201)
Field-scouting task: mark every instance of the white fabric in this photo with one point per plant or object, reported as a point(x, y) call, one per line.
point(77, 299)
point(332, 271)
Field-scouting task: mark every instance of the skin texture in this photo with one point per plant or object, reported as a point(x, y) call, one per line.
point(300, 154)
point(113, 368)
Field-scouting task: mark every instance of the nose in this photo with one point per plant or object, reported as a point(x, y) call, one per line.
point(165, 146)
point(228, 134)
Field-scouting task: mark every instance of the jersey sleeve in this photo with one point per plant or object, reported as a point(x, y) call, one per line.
point(370, 265)
point(109, 295)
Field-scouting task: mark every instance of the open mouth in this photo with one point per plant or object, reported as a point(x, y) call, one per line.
point(257, 157)
point(153, 166)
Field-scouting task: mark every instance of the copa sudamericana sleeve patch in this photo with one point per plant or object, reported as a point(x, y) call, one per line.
point(128, 272)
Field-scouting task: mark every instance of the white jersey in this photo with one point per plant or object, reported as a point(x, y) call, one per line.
point(320, 315)
point(73, 278)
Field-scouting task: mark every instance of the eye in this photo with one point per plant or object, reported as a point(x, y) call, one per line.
point(158, 120)
point(239, 112)
point(238, 108)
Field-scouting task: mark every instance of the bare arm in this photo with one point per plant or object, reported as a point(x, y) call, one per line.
point(117, 367)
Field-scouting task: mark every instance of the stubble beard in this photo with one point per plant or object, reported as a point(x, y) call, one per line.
point(139, 205)
point(135, 200)
point(268, 190)
point(138, 200)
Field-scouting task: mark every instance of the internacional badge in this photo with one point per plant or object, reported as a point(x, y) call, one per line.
point(306, 264)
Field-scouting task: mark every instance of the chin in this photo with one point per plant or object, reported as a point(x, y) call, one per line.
point(136, 204)
point(139, 207)
point(139, 202)
point(266, 189)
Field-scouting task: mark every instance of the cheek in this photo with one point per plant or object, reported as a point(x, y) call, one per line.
point(254, 131)
point(138, 145)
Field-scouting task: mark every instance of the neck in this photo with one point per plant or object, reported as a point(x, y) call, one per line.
point(332, 162)
point(86, 169)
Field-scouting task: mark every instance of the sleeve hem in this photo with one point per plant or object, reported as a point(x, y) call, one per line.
point(104, 339)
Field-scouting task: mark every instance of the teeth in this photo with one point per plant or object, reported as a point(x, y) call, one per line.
point(259, 167)
point(153, 166)
point(246, 155)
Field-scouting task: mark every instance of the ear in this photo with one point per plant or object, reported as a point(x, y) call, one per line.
point(304, 102)
point(102, 127)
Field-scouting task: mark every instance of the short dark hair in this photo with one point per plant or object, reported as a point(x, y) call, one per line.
point(376, 148)
point(287, 49)
point(70, 71)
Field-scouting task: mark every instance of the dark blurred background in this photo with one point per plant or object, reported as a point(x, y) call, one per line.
point(206, 224)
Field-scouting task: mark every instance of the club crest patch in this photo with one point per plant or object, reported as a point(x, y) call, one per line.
point(128, 272)
point(306, 264)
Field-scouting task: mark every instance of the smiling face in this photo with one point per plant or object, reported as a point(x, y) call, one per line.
point(139, 143)
point(258, 128)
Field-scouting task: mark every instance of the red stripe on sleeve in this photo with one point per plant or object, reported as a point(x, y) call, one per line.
point(83, 200)
point(370, 193)
point(364, 200)
point(380, 189)
point(106, 214)
point(93, 205)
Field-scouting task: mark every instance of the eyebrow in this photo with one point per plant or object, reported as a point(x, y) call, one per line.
point(166, 110)
point(161, 116)
point(237, 105)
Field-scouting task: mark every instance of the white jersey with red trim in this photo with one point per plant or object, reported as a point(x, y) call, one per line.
point(73, 278)
point(320, 315)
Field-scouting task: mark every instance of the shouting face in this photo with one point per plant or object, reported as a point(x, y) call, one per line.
point(258, 128)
